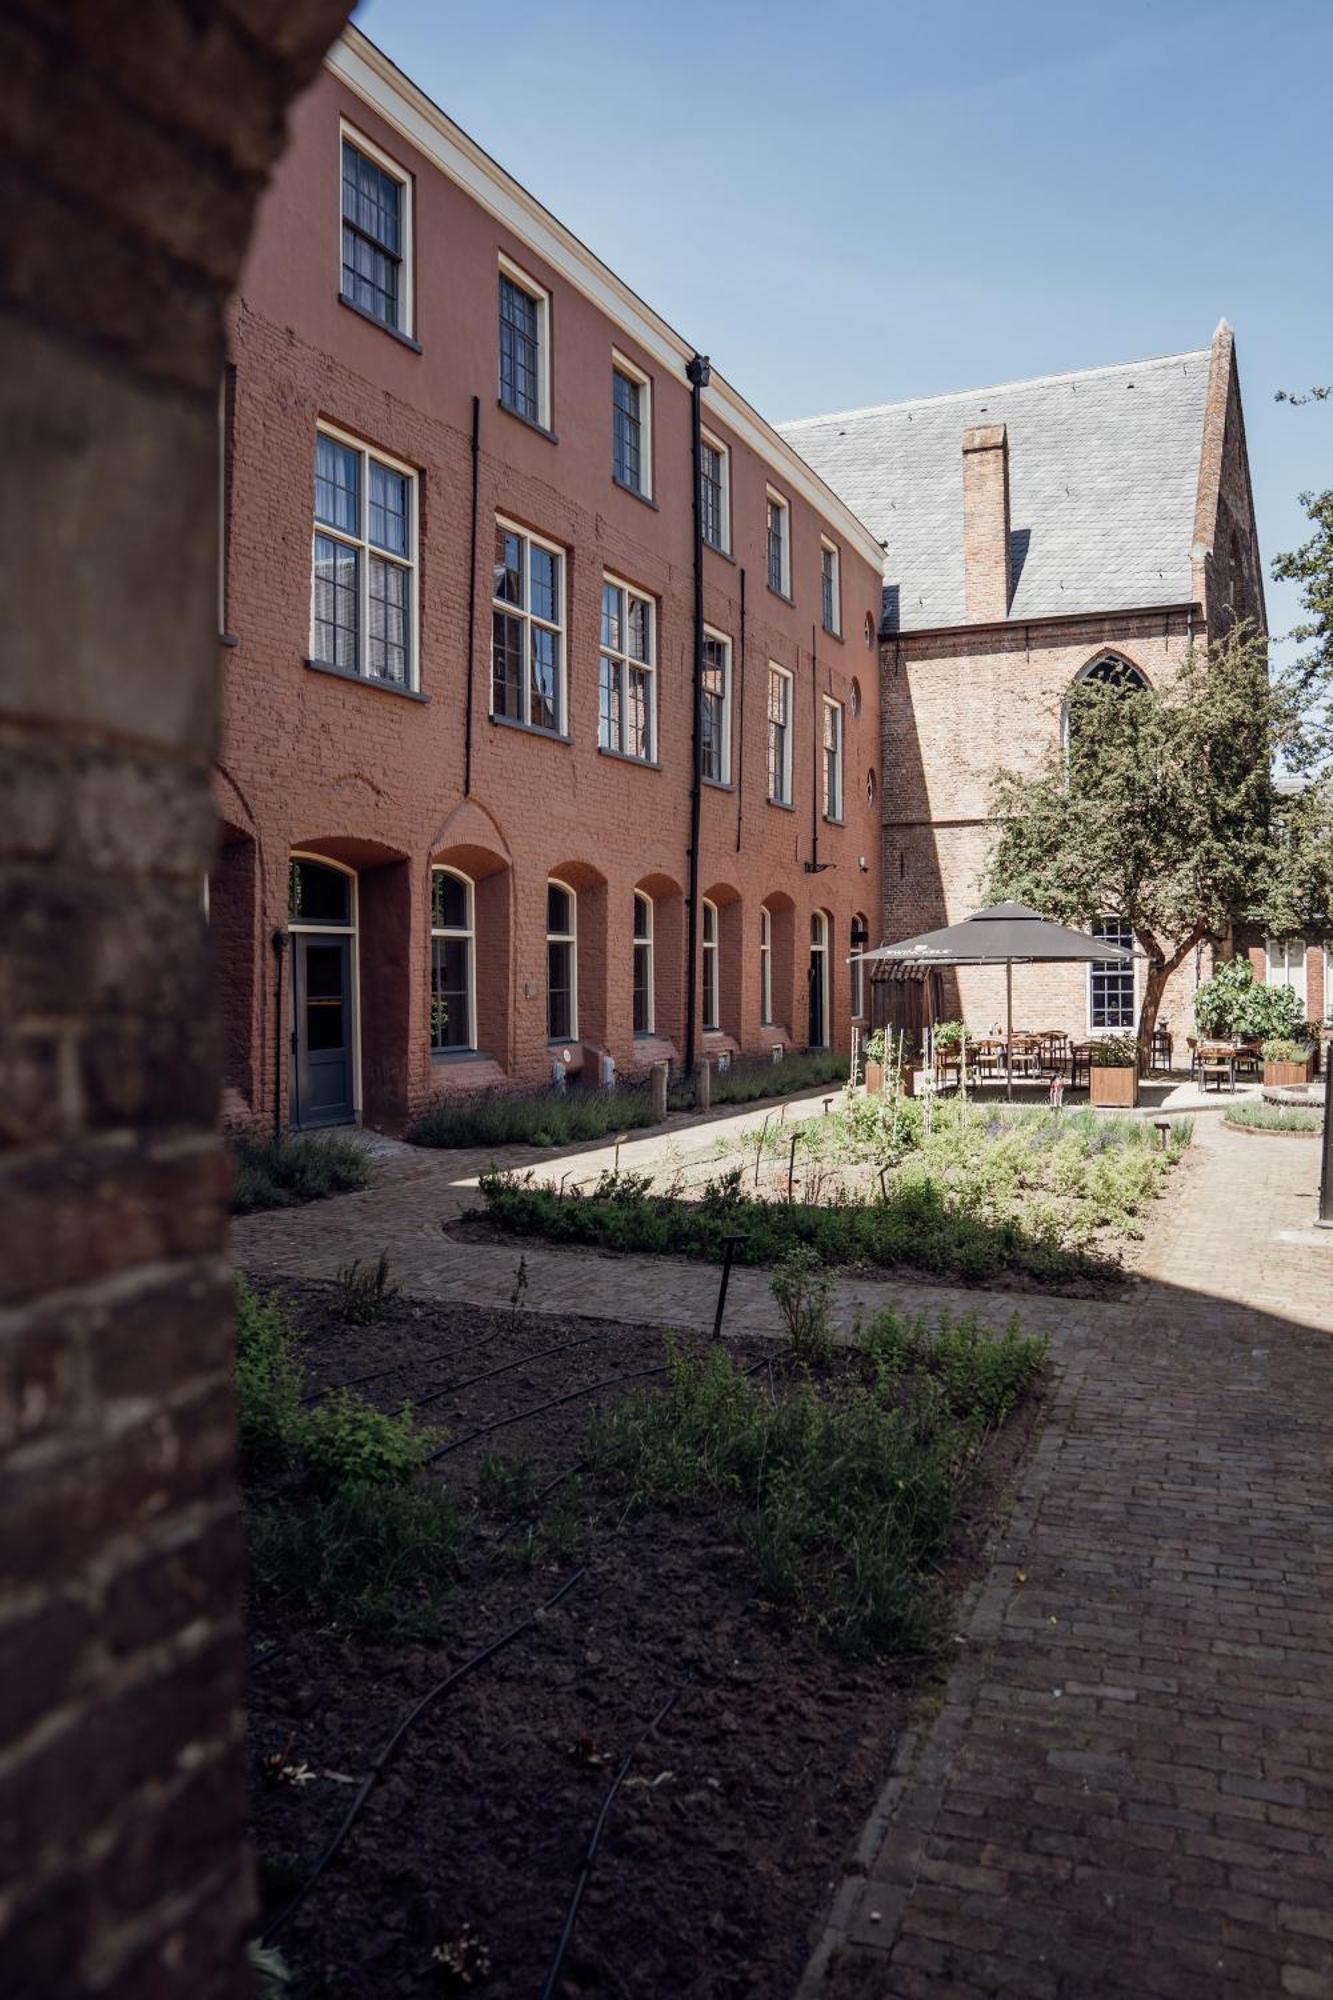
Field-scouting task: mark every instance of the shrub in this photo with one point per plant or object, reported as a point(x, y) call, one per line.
point(297, 1167)
point(982, 1374)
point(372, 1556)
point(1233, 1002)
point(1259, 1117)
point(1280, 1048)
point(268, 1385)
point(348, 1442)
point(801, 1284)
point(750, 1079)
point(948, 1034)
point(1114, 1052)
point(365, 1295)
point(534, 1118)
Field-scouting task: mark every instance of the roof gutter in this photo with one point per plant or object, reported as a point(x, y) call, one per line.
point(1189, 607)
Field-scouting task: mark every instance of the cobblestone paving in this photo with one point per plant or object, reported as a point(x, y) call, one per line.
point(1128, 1787)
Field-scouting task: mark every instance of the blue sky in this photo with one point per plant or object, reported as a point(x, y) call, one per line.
point(847, 204)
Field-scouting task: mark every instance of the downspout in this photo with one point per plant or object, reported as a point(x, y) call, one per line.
point(739, 711)
point(697, 371)
point(472, 602)
point(812, 865)
point(279, 943)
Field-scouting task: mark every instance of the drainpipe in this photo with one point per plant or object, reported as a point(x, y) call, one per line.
point(472, 602)
point(697, 371)
point(739, 712)
point(279, 943)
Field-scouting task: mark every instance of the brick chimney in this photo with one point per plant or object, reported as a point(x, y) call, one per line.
point(986, 522)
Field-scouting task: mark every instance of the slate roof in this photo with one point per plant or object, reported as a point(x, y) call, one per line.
point(1103, 478)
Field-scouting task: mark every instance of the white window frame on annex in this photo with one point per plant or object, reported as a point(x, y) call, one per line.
point(723, 449)
point(834, 799)
point(407, 298)
point(541, 298)
point(624, 662)
point(772, 498)
point(526, 618)
point(622, 365)
point(821, 931)
point(470, 934)
point(828, 548)
point(361, 541)
point(710, 968)
point(644, 941)
point(571, 938)
point(350, 930)
point(765, 966)
point(1283, 975)
point(784, 798)
point(724, 774)
point(1124, 935)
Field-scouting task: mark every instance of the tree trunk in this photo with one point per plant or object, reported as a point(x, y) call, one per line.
point(1160, 968)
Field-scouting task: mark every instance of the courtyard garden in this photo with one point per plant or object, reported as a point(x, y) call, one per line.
point(579, 1652)
point(951, 1189)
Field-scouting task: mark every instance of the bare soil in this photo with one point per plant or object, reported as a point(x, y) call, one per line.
point(726, 1841)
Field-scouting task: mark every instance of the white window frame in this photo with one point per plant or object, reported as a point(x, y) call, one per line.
point(784, 798)
point(1116, 931)
point(407, 304)
point(362, 543)
point(710, 967)
point(644, 941)
point(779, 500)
point(833, 793)
point(1276, 974)
point(527, 618)
point(622, 365)
point(624, 661)
point(571, 938)
point(716, 444)
point(765, 966)
point(469, 934)
point(350, 930)
point(724, 774)
point(820, 931)
point(541, 298)
point(828, 548)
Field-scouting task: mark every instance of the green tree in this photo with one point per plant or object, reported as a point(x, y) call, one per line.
point(1160, 805)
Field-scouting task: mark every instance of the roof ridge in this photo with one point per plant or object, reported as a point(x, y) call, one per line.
point(996, 388)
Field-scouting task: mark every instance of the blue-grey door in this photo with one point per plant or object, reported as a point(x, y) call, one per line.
point(322, 1030)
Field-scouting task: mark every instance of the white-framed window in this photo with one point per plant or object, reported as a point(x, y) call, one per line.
point(363, 598)
point(819, 992)
point(528, 629)
point(644, 1010)
point(715, 492)
point(712, 988)
point(631, 426)
point(779, 544)
point(1285, 964)
point(779, 734)
point(627, 676)
point(562, 962)
point(376, 226)
point(830, 587)
point(1111, 994)
point(832, 759)
point(715, 740)
point(453, 993)
point(525, 345)
point(858, 969)
point(765, 965)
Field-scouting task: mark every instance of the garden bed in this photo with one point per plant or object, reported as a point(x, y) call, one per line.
point(723, 1843)
point(1283, 1120)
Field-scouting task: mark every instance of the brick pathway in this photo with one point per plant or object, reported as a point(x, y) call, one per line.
point(1128, 1787)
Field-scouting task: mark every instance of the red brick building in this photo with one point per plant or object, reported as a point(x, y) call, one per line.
point(1097, 523)
point(463, 650)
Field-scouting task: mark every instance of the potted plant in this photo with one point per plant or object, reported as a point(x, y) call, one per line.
point(1234, 1006)
point(887, 1054)
point(1113, 1072)
point(1287, 1060)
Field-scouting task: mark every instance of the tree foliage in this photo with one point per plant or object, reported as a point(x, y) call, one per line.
point(1160, 806)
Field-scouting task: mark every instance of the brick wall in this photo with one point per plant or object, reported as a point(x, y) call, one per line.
point(123, 1867)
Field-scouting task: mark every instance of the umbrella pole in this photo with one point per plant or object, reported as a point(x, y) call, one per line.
point(1009, 1029)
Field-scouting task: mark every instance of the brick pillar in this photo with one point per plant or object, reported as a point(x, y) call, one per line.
point(135, 151)
point(986, 522)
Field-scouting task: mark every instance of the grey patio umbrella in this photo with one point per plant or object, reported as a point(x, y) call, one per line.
point(1008, 935)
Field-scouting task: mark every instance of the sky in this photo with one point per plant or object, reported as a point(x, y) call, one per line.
point(850, 203)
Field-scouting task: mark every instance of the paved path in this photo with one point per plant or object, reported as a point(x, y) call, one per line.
point(1128, 1788)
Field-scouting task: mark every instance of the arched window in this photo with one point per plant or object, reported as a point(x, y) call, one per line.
point(1110, 670)
point(819, 1008)
point(562, 962)
point(453, 1007)
point(765, 965)
point(712, 987)
point(643, 963)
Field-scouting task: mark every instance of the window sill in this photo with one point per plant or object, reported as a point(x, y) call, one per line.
point(623, 486)
point(719, 784)
point(529, 728)
point(833, 819)
point(394, 332)
point(830, 633)
point(783, 805)
point(725, 554)
point(624, 757)
point(785, 595)
point(229, 640)
point(529, 423)
point(451, 1058)
point(365, 680)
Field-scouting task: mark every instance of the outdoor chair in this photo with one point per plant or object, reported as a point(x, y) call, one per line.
point(1217, 1060)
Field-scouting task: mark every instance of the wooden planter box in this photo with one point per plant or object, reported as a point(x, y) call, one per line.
point(1289, 1073)
point(1118, 1088)
point(877, 1077)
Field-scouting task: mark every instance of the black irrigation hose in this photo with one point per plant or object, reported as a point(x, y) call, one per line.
point(520, 1416)
point(381, 1762)
point(401, 1367)
point(505, 1368)
point(595, 1841)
